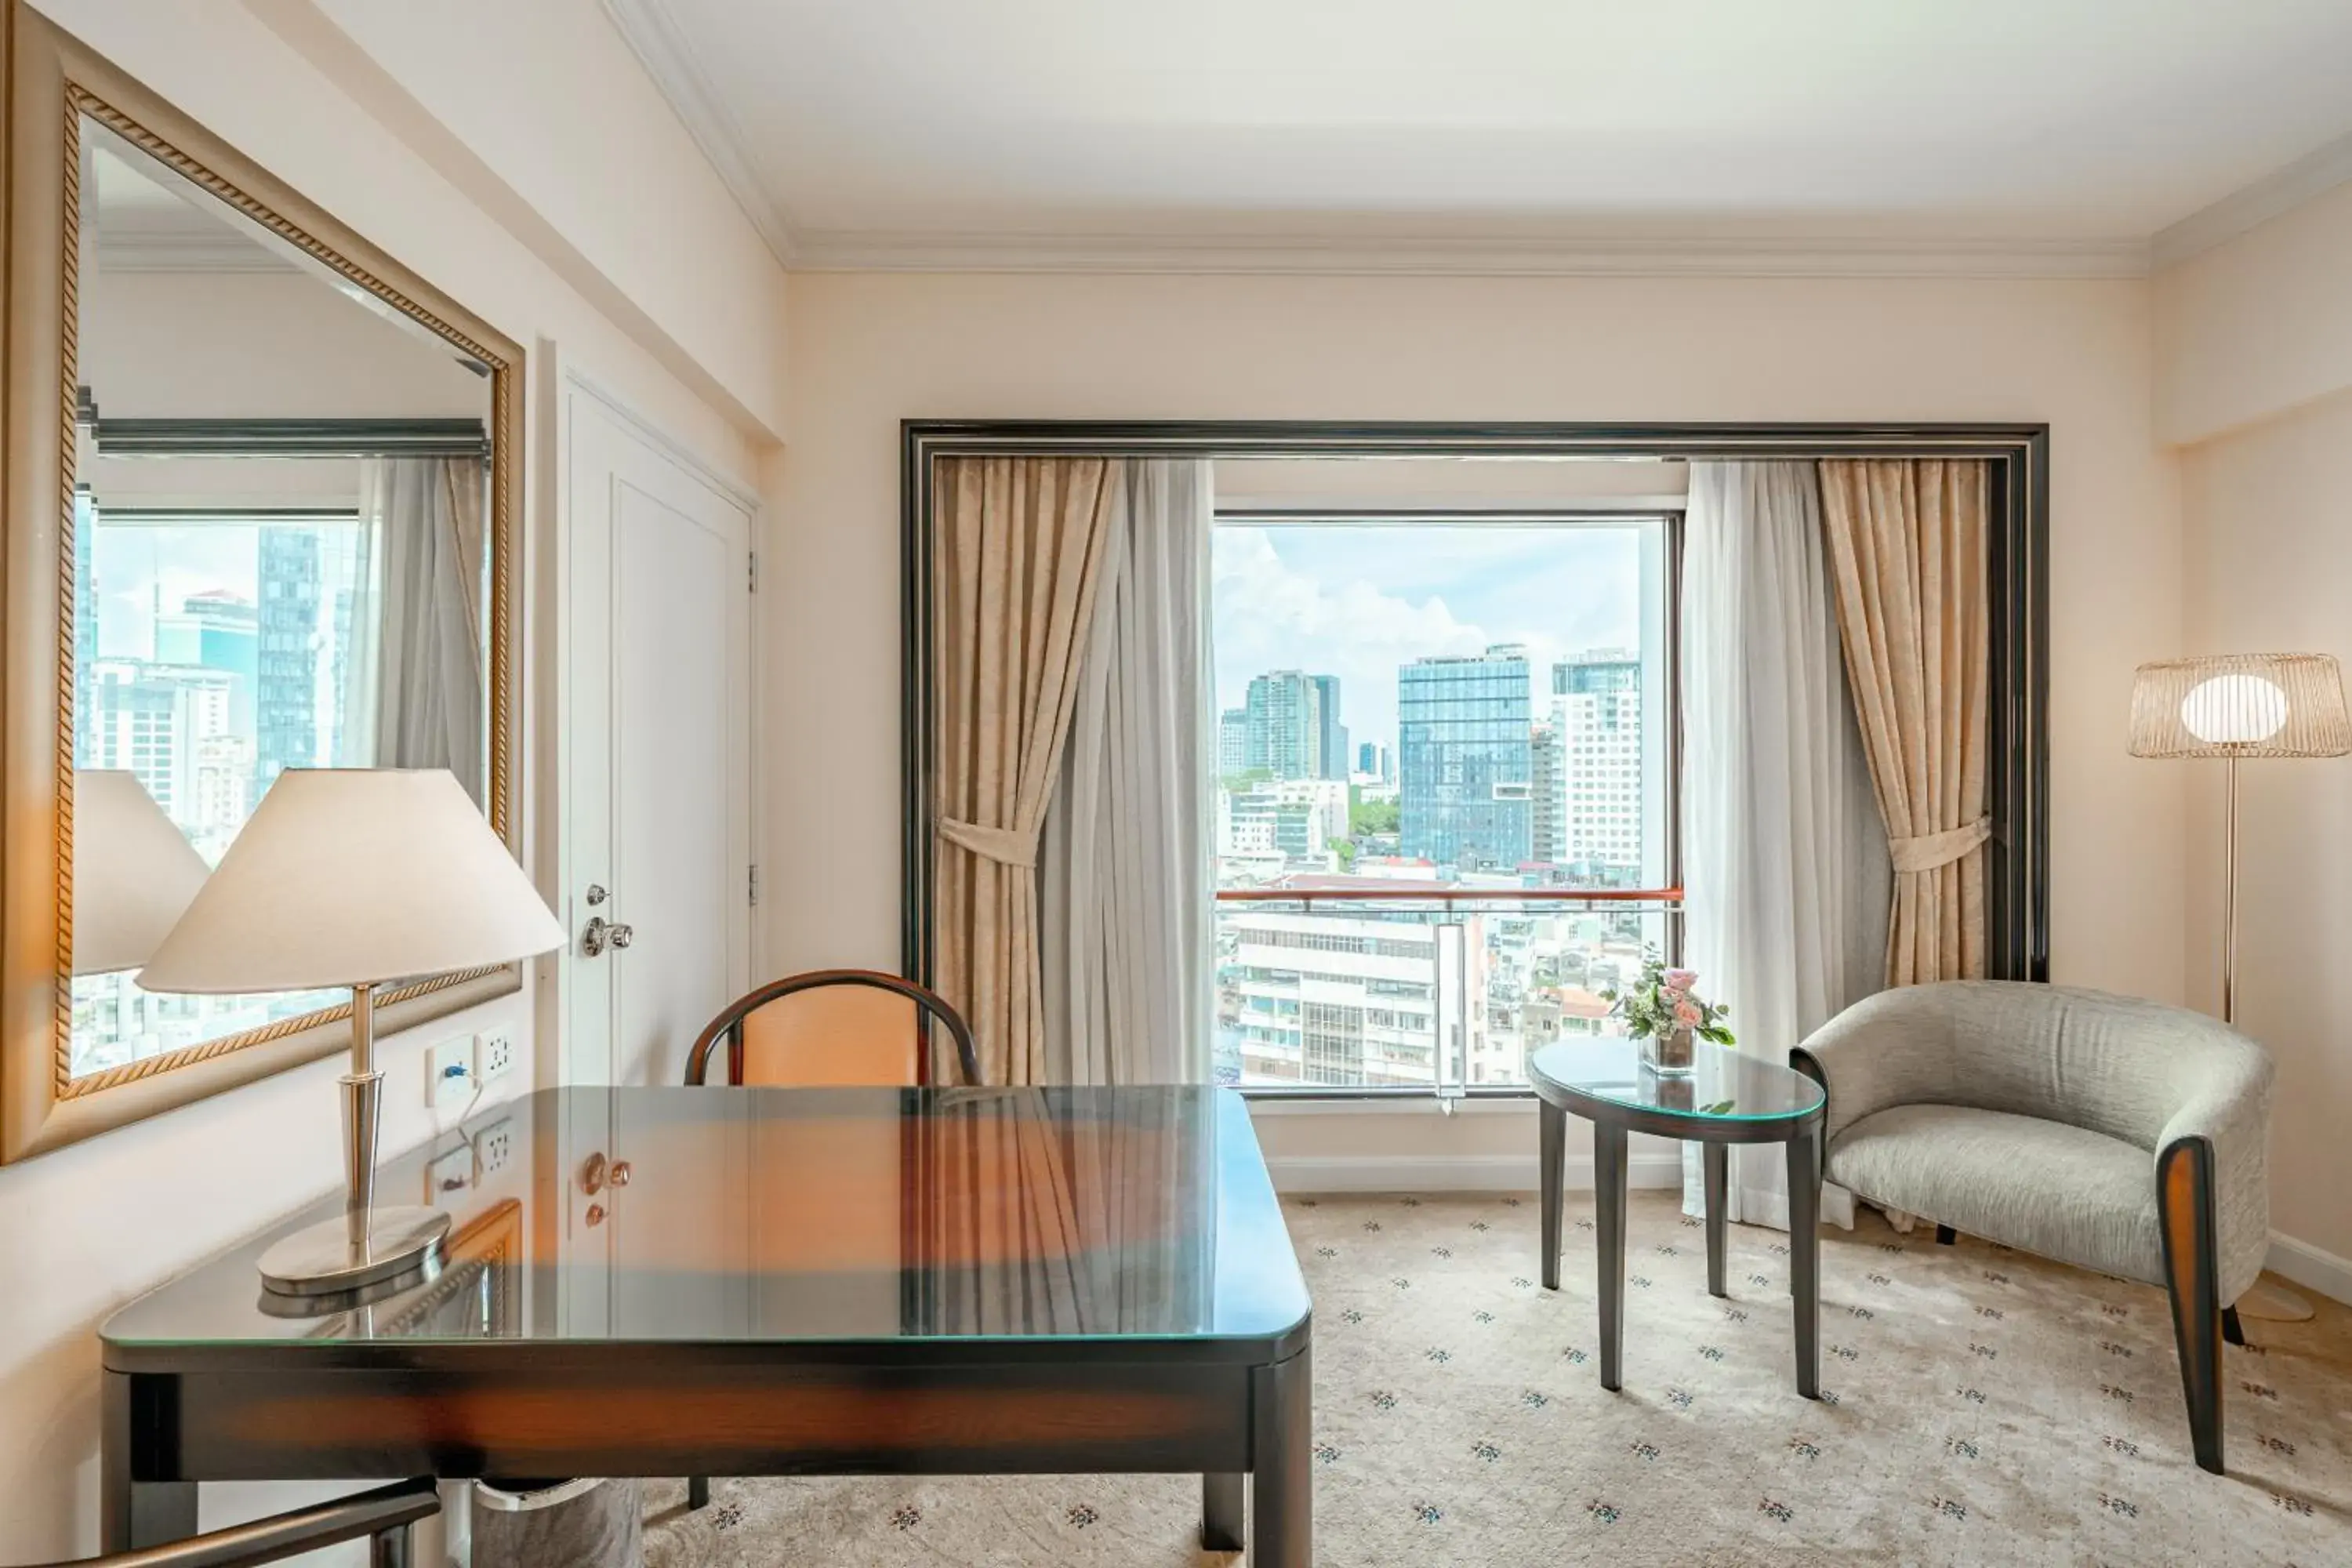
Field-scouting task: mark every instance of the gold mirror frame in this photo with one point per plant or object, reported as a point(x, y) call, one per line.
point(54, 80)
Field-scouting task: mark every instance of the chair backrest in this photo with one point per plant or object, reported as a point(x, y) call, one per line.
point(846, 1026)
point(2115, 1064)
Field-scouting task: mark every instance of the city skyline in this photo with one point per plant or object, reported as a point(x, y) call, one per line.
point(1359, 602)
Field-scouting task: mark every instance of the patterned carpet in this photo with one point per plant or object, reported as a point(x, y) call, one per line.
point(1979, 1406)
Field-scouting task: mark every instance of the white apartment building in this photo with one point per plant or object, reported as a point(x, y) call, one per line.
point(1596, 727)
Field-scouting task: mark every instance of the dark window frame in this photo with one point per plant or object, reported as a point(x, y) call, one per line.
point(2018, 459)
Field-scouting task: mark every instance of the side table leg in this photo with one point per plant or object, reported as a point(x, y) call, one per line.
point(1221, 1513)
point(1608, 1217)
point(1805, 1255)
point(1718, 1160)
point(132, 1513)
point(1551, 1175)
point(1281, 1481)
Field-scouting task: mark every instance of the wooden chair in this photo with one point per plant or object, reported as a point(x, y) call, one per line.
point(849, 1027)
point(381, 1517)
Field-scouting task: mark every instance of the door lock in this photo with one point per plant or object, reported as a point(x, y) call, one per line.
point(600, 933)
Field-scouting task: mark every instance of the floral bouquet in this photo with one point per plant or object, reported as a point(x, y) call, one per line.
point(1664, 1012)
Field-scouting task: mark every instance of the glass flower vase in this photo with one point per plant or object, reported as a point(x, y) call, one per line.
point(1671, 1054)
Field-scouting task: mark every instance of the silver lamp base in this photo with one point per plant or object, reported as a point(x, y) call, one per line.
point(319, 1260)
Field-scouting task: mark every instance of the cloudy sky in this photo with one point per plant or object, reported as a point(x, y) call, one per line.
point(1358, 602)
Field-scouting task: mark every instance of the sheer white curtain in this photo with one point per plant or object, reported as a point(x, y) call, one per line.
point(1124, 866)
point(413, 680)
point(1784, 856)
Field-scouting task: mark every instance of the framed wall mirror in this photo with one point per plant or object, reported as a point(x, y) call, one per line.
point(260, 514)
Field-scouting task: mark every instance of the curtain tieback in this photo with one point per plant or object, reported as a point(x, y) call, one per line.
point(1005, 845)
point(1930, 850)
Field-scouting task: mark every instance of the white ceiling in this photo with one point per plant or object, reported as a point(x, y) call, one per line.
point(2063, 127)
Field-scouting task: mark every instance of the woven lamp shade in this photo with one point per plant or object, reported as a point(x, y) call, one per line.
point(2241, 705)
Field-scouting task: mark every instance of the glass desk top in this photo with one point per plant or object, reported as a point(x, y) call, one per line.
point(1723, 1087)
point(766, 1215)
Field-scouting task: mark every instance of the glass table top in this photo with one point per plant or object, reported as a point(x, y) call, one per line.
point(778, 1215)
point(1723, 1086)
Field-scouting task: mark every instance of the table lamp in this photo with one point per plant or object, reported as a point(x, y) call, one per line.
point(133, 872)
point(357, 877)
point(2242, 706)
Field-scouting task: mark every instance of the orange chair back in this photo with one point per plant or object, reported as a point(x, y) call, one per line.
point(848, 1027)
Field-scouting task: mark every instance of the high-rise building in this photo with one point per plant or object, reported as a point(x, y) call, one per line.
point(147, 719)
point(1465, 760)
point(1232, 741)
point(1331, 739)
point(218, 631)
point(1596, 712)
point(286, 700)
point(1376, 761)
point(1291, 719)
point(1547, 799)
point(1295, 819)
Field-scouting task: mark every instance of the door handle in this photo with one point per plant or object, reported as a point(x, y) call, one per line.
point(601, 934)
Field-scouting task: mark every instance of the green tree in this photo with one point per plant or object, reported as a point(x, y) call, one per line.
point(1345, 849)
point(1372, 817)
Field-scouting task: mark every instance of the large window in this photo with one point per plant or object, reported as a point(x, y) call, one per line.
point(1444, 794)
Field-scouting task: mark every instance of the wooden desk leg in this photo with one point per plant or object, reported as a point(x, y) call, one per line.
point(1221, 1513)
point(1805, 1255)
point(132, 1513)
point(1282, 1483)
point(1551, 1174)
point(1718, 1160)
point(1608, 1217)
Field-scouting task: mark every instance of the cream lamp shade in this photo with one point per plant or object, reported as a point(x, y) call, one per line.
point(348, 877)
point(2241, 705)
point(133, 872)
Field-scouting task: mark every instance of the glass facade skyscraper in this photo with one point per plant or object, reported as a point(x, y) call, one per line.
point(1466, 763)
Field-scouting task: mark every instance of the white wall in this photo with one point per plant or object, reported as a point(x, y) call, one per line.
point(869, 350)
point(2269, 566)
point(2254, 371)
point(261, 345)
point(2257, 326)
point(85, 1228)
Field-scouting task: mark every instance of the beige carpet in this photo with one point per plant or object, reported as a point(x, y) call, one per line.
point(1981, 1407)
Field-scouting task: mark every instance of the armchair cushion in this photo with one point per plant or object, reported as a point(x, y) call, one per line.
point(2043, 1186)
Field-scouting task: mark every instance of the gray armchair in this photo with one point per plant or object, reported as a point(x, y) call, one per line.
point(2114, 1134)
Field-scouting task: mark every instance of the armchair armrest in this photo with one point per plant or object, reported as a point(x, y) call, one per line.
point(2229, 1108)
point(1893, 1048)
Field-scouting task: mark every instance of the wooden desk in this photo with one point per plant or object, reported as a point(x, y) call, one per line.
point(770, 1282)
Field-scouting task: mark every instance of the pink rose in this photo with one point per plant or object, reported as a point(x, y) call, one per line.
point(1681, 979)
point(1687, 1011)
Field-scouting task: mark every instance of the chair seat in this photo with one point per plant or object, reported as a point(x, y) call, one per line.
point(2044, 1188)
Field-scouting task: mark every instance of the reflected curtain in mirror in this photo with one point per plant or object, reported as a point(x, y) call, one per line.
point(414, 691)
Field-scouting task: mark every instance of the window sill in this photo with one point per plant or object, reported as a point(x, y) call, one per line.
point(1281, 1103)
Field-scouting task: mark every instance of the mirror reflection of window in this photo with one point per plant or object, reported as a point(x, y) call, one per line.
point(280, 548)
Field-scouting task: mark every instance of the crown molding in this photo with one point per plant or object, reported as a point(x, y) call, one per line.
point(2275, 194)
point(1583, 255)
point(661, 47)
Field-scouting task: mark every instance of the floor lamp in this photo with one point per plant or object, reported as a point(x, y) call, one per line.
point(2235, 707)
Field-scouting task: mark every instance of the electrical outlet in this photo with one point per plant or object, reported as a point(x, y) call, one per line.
point(451, 1172)
point(494, 1144)
point(494, 1053)
point(450, 1073)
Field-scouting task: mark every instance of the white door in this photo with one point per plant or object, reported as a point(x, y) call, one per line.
point(657, 748)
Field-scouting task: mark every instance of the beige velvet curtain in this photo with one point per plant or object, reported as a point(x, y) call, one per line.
point(1907, 544)
point(1018, 547)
